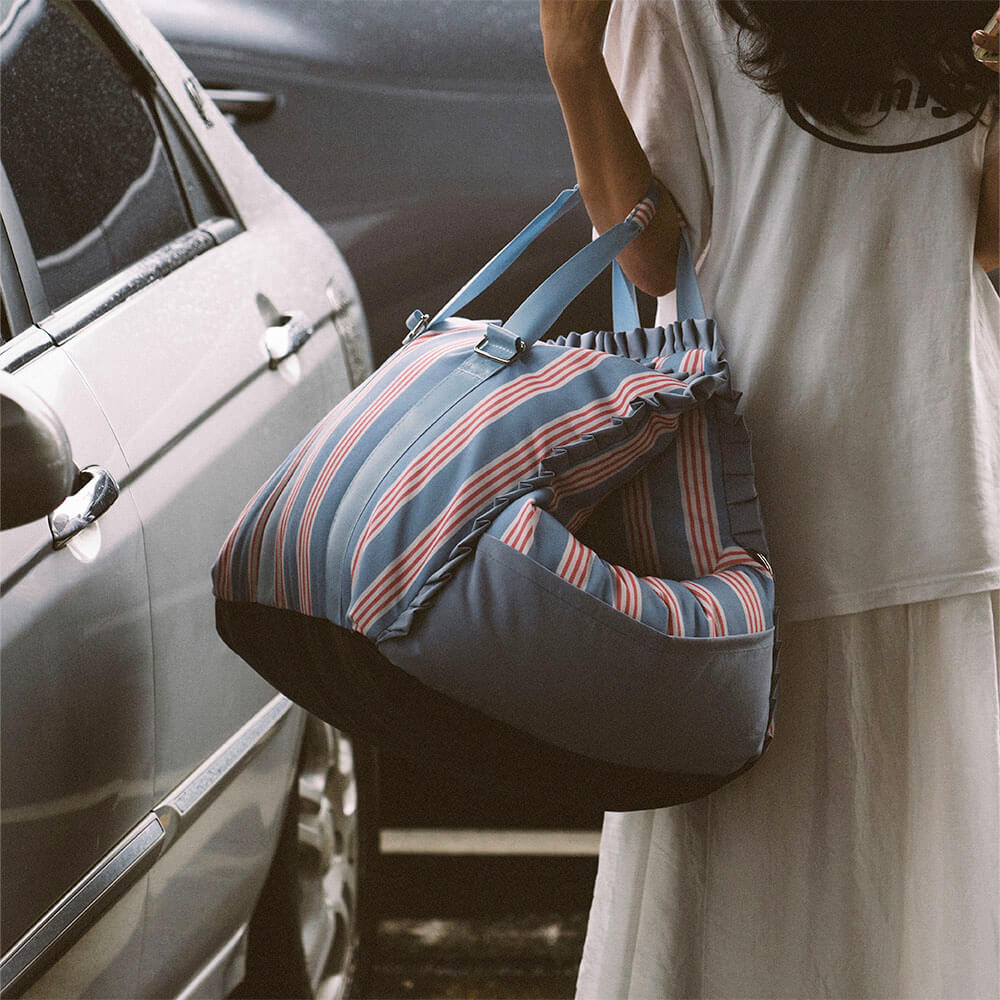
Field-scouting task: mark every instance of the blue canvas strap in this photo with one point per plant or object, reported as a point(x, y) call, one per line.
point(625, 309)
point(489, 273)
point(540, 310)
point(532, 319)
point(542, 307)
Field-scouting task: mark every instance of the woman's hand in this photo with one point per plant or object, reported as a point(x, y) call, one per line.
point(988, 39)
point(573, 32)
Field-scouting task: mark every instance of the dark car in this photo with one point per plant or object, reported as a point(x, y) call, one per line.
point(423, 134)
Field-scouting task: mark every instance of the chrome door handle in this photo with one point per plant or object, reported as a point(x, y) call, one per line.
point(97, 491)
point(286, 336)
point(243, 105)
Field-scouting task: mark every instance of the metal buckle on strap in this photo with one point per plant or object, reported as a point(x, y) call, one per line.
point(519, 347)
point(416, 323)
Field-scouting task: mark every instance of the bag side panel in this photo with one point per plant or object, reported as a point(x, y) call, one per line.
point(533, 659)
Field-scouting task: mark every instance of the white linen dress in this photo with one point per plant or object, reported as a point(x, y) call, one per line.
point(861, 856)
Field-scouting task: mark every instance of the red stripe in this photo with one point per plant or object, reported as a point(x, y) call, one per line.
point(565, 428)
point(640, 533)
point(604, 466)
point(584, 564)
point(628, 599)
point(566, 562)
point(687, 443)
point(706, 496)
point(494, 406)
point(527, 531)
point(302, 462)
point(693, 360)
point(741, 598)
point(368, 414)
point(574, 566)
point(714, 611)
point(675, 618)
point(257, 537)
point(734, 556)
point(698, 494)
point(505, 469)
point(643, 213)
point(521, 531)
point(752, 597)
point(748, 596)
point(367, 417)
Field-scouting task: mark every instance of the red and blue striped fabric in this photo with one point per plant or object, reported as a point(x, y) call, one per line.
point(605, 468)
point(558, 539)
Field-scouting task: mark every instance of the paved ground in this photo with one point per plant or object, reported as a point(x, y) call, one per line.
point(527, 958)
point(480, 924)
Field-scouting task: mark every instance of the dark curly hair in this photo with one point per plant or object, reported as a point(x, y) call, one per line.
point(837, 59)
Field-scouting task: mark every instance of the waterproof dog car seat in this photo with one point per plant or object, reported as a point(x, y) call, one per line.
point(537, 565)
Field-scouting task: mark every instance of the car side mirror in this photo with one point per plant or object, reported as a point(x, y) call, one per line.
point(36, 464)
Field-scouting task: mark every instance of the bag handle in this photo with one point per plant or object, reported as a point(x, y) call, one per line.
point(543, 306)
point(482, 279)
point(625, 309)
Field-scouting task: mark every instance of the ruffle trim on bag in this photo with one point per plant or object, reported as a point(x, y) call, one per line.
point(560, 463)
point(646, 345)
point(742, 502)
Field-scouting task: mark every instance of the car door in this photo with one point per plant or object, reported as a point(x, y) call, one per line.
point(76, 788)
point(221, 364)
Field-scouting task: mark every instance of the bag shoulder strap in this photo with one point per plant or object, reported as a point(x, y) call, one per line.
point(625, 309)
point(532, 319)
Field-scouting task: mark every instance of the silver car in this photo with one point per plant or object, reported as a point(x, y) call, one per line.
point(173, 323)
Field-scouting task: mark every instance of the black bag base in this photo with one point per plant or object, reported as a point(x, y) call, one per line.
point(341, 677)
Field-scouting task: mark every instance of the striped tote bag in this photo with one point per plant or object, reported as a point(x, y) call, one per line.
point(536, 567)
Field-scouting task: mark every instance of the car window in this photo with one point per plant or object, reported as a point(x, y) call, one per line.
point(88, 166)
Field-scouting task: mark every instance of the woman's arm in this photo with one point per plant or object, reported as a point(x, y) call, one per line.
point(611, 167)
point(987, 249)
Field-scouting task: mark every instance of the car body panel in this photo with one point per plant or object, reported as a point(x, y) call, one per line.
point(105, 961)
point(61, 813)
point(203, 888)
point(196, 406)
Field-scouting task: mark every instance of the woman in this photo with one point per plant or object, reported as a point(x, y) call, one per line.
point(837, 169)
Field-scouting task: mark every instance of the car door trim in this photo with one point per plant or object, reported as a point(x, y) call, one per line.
point(73, 317)
point(80, 908)
point(136, 852)
point(178, 810)
point(23, 348)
